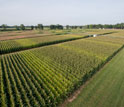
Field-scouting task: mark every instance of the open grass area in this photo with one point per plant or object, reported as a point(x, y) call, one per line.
point(106, 88)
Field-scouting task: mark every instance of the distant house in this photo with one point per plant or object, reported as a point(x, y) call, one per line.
point(95, 35)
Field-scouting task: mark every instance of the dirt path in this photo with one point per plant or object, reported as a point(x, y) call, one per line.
point(76, 93)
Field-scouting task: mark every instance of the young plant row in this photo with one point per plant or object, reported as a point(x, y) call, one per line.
point(46, 76)
point(10, 46)
point(23, 44)
point(29, 83)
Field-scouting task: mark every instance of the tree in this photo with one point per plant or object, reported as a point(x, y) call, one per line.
point(56, 26)
point(40, 26)
point(67, 26)
point(59, 26)
point(81, 27)
point(91, 26)
point(4, 26)
point(52, 26)
point(17, 27)
point(32, 27)
point(22, 27)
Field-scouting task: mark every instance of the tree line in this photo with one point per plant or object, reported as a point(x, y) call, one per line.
point(5, 27)
point(105, 26)
point(58, 26)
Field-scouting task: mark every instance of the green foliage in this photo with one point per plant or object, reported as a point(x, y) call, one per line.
point(40, 26)
point(67, 26)
point(32, 27)
point(56, 27)
point(46, 76)
point(106, 88)
point(4, 26)
point(21, 44)
point(17, 27)
point(22, 27)
point(106, 26)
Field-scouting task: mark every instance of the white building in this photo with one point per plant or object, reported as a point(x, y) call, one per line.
point(94, 35)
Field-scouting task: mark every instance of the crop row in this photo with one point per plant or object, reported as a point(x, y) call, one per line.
point(46, 76)
point(30, 86)
point(21, 44)
point(9, 46)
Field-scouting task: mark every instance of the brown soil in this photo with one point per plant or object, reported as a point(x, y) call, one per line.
point(22, 34)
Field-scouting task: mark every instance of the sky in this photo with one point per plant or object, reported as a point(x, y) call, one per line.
point(65, 12)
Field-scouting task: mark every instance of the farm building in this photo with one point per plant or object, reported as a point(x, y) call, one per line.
point(94, 35)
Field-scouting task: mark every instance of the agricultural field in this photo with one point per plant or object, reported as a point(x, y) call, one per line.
point(106, 88)
point(56, 53)
point(16, 44)
point(21, 44)
point(10, 35)
point(46, 76)
point(118, 34)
